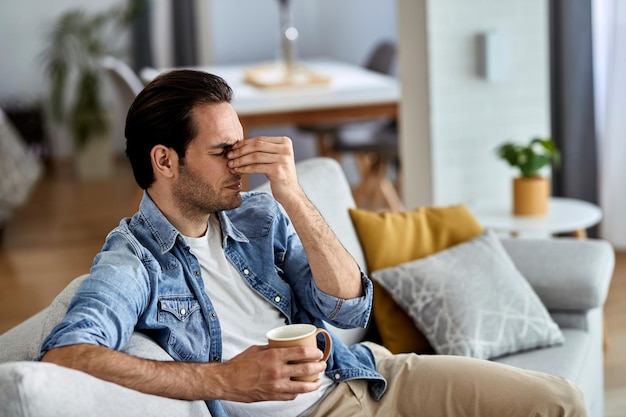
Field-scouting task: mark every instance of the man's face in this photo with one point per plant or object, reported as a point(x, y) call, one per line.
point(205, 184)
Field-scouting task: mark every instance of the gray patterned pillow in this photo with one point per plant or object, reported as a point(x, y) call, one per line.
point(470, 300)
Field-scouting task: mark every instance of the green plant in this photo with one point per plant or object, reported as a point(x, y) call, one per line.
point(71, 61)
point(531, 158)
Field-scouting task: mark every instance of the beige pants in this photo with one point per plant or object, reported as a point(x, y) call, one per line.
point(451, 386)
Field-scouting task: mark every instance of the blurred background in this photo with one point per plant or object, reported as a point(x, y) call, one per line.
point(471, 75)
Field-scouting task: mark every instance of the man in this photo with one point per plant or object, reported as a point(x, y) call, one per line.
point(206, 270)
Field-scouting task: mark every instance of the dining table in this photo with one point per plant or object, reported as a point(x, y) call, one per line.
point(347, 93)
point(352, 92)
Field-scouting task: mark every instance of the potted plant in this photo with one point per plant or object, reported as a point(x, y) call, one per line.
point(71, 61)
point(531, 190)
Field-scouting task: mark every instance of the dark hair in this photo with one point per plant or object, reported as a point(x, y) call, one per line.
point(162, 115)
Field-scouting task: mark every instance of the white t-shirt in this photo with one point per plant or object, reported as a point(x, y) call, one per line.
point(245, 317)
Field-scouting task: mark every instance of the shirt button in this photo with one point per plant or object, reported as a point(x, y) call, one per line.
point(246, 271)
point(337, 376)
point(213, 315)
point(183, 311)
point(216, 358)
point(277, 299)
point(197, 273)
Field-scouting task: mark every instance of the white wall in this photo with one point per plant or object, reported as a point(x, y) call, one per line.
point(467, 116)
point(24, 28)
point(248, 30)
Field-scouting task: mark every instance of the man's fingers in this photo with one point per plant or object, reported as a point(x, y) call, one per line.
point(254, 158)
point(272, 156)
point(261, 144)
point(269, 373)
point(264, 144)
point(300, 353)
point(301, 361)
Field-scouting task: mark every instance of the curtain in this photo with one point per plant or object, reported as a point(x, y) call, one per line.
point(165, 35)
point(572, 99)
point(141, 29)
point(184, 24)
point(610, 79)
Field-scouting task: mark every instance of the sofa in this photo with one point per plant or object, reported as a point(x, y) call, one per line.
point(571, 277)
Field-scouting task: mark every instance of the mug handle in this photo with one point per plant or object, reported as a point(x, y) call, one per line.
point(329, 343)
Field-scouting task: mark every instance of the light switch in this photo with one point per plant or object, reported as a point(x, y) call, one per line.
point(495, 56)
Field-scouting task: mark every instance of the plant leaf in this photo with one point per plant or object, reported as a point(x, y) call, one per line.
point(530, 159)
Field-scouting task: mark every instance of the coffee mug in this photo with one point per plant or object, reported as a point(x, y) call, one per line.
point(299, 335)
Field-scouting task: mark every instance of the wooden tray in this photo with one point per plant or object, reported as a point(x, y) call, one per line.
point(275, 75)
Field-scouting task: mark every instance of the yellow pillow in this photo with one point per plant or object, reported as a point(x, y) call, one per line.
point(389, 239)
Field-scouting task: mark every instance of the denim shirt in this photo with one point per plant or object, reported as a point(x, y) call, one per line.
point(145, 279)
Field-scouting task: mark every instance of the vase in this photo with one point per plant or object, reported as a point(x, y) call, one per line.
point(530, 196)
point(95, 160)
point(288, 36)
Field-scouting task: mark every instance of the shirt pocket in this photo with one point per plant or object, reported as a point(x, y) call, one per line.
point(182, 317)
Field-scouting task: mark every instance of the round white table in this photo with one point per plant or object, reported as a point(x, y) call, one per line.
point(565, 215)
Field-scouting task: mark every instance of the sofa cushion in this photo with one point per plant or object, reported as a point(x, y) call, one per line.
point(22, 342)
point(389, 239)
point(567, 274)
point(470, 300)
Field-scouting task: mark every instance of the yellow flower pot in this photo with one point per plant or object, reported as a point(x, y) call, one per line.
point(530, 196)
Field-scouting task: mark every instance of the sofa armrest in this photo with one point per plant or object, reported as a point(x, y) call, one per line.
point(44, 389)
point(22, 343)
point(567, 274)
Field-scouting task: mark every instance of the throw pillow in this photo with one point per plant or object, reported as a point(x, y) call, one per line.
point(470, 300)
point(389, 239)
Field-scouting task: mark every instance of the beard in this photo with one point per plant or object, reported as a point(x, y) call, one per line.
point(197, 197)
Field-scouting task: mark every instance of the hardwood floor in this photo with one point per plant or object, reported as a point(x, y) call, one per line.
point(54, 237)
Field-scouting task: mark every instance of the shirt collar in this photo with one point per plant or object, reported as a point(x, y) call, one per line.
point(166, 234)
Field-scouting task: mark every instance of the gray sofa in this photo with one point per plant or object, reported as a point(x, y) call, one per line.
point(570, 276)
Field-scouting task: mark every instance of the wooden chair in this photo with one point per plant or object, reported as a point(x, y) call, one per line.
point(374, 146)
point(372, 143)
point(123, 78)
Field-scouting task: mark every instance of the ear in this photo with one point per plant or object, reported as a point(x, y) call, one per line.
point(164, 161)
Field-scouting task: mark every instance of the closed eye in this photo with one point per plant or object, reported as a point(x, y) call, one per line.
point(225, 150)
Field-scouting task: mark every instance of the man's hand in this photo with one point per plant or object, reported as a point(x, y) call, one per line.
point(261, 373)
point(270, 156)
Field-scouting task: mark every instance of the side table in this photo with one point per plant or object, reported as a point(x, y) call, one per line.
point(565, 215)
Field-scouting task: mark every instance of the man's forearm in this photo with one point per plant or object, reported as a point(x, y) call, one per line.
point(333, 268)
point(257, 374)
point(144, 375)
